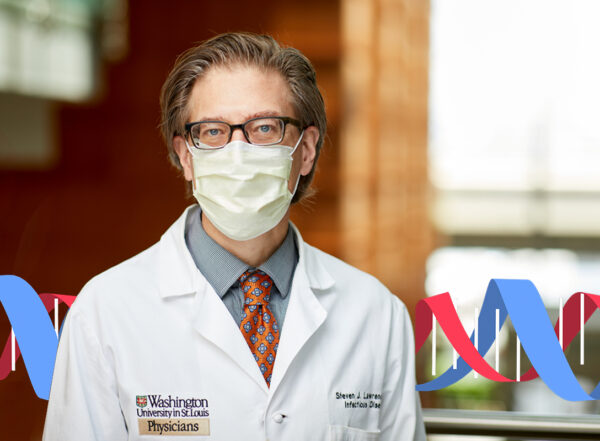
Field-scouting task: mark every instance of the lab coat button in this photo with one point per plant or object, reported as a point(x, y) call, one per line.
point(278, 418)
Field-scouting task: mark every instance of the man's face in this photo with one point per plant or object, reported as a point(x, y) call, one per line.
point(239, 93)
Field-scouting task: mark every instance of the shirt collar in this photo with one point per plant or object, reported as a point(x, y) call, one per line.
point(282, 264)
point(222, 269)
point(178, 275)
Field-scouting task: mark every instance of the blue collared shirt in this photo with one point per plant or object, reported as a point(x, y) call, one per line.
point(222, 269)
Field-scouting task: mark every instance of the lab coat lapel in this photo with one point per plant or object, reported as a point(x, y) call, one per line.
point(214, 322)
point(304, 316)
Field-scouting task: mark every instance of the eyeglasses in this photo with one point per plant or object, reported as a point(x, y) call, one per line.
point(268, 130)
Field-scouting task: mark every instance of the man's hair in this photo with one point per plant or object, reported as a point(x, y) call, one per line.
point(245, 49)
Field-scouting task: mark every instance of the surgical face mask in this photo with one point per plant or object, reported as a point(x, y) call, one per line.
point(243, 188)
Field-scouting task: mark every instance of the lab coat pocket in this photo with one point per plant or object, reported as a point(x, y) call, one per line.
point(345, 433)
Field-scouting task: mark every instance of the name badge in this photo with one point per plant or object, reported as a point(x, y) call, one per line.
point(172, 415)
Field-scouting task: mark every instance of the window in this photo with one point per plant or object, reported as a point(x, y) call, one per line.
point(50, 50)
point(514, 161)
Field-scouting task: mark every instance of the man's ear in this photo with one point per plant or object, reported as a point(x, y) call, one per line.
point(185, 157)
point(309, 149)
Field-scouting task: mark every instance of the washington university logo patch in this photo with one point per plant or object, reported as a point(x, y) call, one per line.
point(172, 415)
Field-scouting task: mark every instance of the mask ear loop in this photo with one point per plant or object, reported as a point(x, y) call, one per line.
point(189, 147)
point(192, 155)
point(292, 152)
point(297, 143)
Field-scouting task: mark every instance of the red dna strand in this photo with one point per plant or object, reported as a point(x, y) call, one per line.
point(32, 337)
point(543, 344)
point(11, 353)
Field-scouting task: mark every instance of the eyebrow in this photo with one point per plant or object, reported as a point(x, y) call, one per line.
point(248, 117)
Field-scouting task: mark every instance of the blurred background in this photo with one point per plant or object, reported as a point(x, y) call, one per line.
point(463, 144)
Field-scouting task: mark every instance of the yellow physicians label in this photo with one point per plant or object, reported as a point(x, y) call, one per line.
point(174, 426)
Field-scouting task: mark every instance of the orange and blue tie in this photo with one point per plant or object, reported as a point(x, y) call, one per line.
point(258, 325)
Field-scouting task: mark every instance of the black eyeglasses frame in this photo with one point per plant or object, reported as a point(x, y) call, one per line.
point(285, 119)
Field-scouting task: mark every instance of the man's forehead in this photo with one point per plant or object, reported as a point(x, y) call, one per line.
point(258, 114)
point(240, 92)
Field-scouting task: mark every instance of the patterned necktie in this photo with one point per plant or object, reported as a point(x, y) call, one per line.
point(258, 326)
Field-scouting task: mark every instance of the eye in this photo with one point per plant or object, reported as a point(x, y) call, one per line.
point(264, 131)
point(264, 127)
point(211, 132)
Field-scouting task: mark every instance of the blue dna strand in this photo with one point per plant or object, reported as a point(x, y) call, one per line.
point(37, 341)
point(521, 301)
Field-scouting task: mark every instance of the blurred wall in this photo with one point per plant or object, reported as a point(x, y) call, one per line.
point(112, 192)
point(384, 192)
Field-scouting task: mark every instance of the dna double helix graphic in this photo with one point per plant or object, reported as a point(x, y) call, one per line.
point(33, 335)
point(543, 343)
point(37, 338)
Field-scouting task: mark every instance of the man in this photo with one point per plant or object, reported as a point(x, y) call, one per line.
point(231, 327)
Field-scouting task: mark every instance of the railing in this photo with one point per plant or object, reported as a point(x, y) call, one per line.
point(511, 424)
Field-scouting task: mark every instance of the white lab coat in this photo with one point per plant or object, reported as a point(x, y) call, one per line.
point(153, 328)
